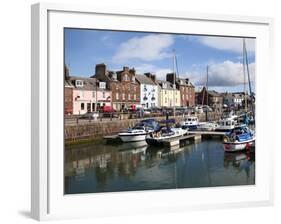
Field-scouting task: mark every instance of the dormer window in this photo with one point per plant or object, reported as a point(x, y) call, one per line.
point(102, 85)
point(126, 78)
point(133, 79)
point(114, 76)
point(79, 83)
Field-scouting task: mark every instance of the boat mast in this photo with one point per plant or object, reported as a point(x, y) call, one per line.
point(207, 100)
point(249, 79)
point(244, 75)
point(174, 82)
point(207, 84)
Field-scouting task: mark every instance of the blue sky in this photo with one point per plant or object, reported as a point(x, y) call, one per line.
point(153, 52)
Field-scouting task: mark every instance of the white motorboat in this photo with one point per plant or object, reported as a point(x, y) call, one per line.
point(139, 132)
point(226, 124)
point(190, 123)
point(165, 133)
point(135, 134)
point(207, 126)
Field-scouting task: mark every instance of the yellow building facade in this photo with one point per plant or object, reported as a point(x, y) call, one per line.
point(167, 95)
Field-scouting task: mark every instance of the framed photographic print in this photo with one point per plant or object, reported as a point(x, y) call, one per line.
point(148, 111)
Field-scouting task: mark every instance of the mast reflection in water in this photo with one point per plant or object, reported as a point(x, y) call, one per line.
point(128, 167)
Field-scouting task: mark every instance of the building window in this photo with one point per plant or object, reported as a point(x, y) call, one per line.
point(103, 94)
point(82, 106)
point(165, 92)
point(133, 79)
point(117, 96)
point(123, 96)
point(126, 77)
point(165, 99)
point(102, 85)
point(129, 96)
point(135, 97)
point(94, 94)
point(79, 83)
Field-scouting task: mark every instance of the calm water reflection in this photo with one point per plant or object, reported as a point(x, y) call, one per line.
point(124, 167)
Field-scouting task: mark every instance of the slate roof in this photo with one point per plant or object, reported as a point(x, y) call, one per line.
point(68, 84)
point(143, 79)
point(214, 93)
point(88, 83)
point(169, 85)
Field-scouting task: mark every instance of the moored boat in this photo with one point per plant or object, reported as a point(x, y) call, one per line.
point(140, 131)
point(207, 126)
point(227, 123)
point(240, 138)
point(190, 123)
point(166, 133)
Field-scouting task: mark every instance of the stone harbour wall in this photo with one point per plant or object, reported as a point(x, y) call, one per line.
point(98, 129)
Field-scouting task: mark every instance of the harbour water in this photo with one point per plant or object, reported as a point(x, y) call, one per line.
point(93, 168)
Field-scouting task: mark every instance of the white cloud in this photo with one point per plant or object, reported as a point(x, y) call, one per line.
point(146, 48)
point(225, 74)
point(228, 43)
point(160, 72)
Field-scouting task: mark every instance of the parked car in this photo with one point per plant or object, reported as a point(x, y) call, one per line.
point(89, 115)
point(207, 108)
point(147, 111)
point(107, 109)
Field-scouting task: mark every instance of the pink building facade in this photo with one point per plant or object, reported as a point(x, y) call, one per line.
point(89, 95)
point(83, 101)
point(103, 98)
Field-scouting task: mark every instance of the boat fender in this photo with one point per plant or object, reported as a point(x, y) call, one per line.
point(225, 139)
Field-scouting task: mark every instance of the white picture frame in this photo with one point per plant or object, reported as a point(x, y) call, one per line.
point(48, 200)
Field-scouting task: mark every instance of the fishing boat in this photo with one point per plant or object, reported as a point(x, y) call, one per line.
point(227, 123)
point(240, 138)
point(190, 123)
point(139, 131)
point(165, 133)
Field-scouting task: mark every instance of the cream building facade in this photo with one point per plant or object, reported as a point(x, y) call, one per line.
point(167, 95)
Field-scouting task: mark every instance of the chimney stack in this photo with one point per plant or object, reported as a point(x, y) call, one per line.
point(66, 72)
point(170, 77)
point(125, 68)
point(100, 70)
